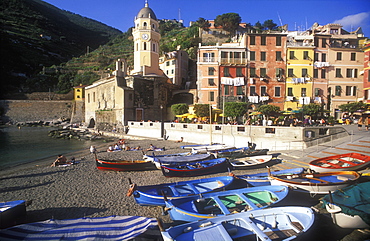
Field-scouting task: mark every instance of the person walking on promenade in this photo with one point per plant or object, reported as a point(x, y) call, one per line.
point(367, 123)
point(360, 123)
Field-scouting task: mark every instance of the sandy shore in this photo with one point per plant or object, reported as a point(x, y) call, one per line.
point(82, 190)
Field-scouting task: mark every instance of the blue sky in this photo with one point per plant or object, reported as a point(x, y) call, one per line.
point(298, 14)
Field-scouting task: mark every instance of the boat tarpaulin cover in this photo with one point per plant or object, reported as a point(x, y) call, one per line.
point(101, 228)
point(353, 200)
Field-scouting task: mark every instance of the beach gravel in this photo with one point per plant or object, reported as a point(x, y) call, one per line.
point(82, 190)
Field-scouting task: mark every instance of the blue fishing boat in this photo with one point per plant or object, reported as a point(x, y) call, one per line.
point(279, 223)
point(102, 228)
point(180, 159)
point(198, 168)
point(261, 179)
point(11, 211)
point(152, 195)
point(350, 206)
point(221, 203)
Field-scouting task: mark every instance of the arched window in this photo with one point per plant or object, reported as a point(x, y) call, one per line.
point(144, 46)
point(145, 24)
point(153, 26)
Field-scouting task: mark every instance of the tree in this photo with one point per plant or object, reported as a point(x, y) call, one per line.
point(235, 109)
point(352, 107)
point(203, 24)
point(312, 109)
point(269, 24)
point(258, 26)
point(268, 110)
point(179, 109)
point(228, 21)
point(201, 110)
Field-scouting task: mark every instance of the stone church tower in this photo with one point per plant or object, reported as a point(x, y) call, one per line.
point(146, 43)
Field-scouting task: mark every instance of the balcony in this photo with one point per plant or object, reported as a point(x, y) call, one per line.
point(226, 61)
point(208, 59)
point(321, 64)
point(300, 44)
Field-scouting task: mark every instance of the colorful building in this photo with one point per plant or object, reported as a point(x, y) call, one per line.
point(366, 72)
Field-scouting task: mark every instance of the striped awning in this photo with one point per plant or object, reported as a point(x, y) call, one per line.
point(102, 228)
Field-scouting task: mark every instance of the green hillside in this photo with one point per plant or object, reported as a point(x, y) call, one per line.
point(35, 34)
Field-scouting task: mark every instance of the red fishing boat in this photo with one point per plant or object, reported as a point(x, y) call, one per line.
point(343, 162)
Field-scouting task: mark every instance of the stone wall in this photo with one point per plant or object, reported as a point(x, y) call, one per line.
point(35, 110)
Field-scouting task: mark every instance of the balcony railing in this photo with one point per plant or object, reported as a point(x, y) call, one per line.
point(233, 61)
point(208, 59)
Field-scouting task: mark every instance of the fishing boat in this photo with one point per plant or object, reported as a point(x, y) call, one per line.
point(279, 223)
point(241, 152)
point(101, 228)
point(135, 165)
point(11, 211)
point(249, 162)
point(343, 162)
point(196, 168)
point(261, 179)
point(180, 159)
point(197, 145)
point(350, 207)
point(221, 203)
point(210, 148)
point(152, 195)
point(316, 183)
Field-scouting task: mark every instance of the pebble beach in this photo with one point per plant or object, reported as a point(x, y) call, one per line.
point(81, 190)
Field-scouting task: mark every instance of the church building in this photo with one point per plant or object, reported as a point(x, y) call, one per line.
point(143, 94)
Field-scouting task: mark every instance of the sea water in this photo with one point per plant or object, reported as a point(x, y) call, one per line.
point(27, 144)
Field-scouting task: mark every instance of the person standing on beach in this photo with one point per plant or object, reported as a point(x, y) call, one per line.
point(93, 149)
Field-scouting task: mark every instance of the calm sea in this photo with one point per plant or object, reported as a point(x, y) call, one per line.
point(28, 144)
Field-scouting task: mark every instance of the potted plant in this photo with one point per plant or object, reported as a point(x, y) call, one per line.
point(331, 120)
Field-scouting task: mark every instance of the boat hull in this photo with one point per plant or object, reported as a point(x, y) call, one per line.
point(288, 222)
point(344, 220)
point(178, 160)
point(124, 165)
point(153, 195)
point(206, 167)
point(261, 179)
point(343, 162)
point(217, 204)
point(11, 211)
point(317, 183)
point(250, 162)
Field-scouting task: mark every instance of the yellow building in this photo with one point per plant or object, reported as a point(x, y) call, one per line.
point(299, 84)
point(79, 92)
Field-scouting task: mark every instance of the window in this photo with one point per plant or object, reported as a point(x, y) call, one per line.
point(304, 73)
point(239, 72)
point(226, 90)
point(168, 63)
point(226, 72)
point(263, 72)
point(252, 72)
point(305, 55)
point(323, 43)
point(253, 40)
point(316, 57)
point(263, 56)
point(317, 91)
point(278, 56)
point(263, 90)
point(353, 56)
point(144, 45)
point(239, 90)
point(208, 57)
point(290, 73)
point(350, 90)
point(224, 55)
point(277, 91)
point(211, 71)
point(351, 73)
point(211, 96)
point(153, 47)
point(173, 62)
point(290, 91)
point(88, 98)
point(338, 73)
point(323, 74)
point(252, 55)
point(303, 92)
point(172, 71)
point(339, 55)
point(263, 40)
point(316, 73)
point(93, 96)
point(252, 90)
point(279, 72)
point(291, 55)
point(338, 90)
point(278, 40)
point(323, 57)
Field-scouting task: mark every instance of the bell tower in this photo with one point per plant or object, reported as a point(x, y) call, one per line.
point(146, 43)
